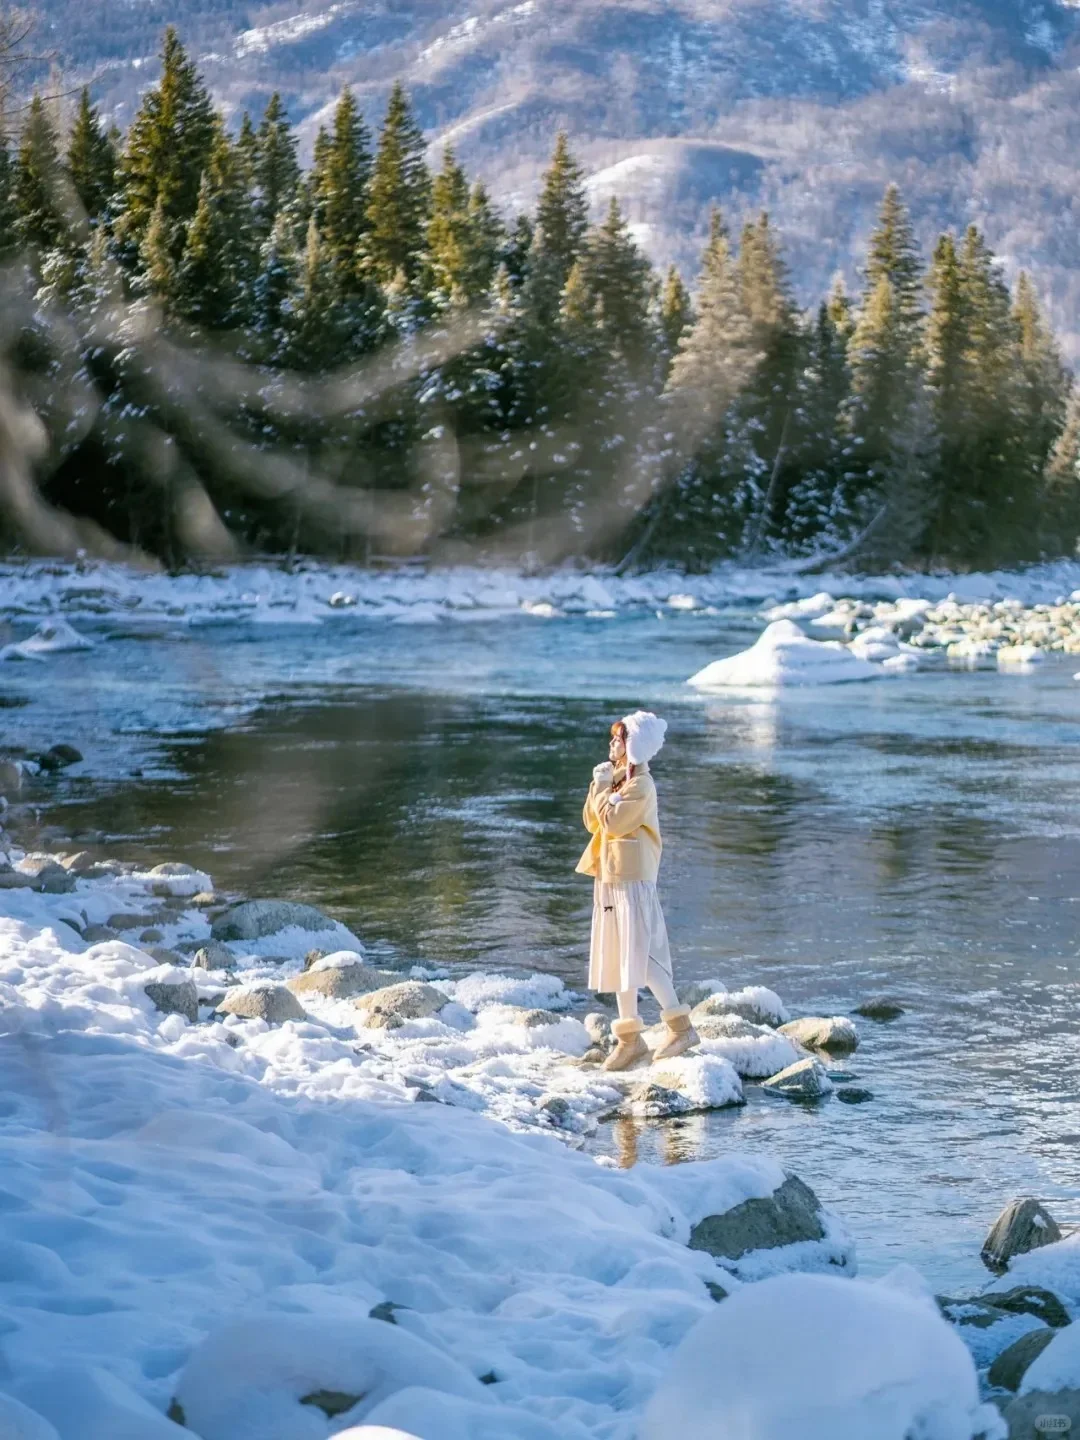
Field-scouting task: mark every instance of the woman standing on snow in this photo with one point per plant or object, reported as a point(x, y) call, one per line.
point(629, 938)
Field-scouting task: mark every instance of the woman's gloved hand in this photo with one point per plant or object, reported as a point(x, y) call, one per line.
point(604, 775)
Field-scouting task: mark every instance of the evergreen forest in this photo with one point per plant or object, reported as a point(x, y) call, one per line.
point(207, 351)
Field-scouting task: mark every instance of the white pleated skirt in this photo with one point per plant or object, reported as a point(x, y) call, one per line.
point(628, 932)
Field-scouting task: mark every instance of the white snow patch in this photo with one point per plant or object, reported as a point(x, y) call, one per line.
point(783, 656)
point(820, 1357)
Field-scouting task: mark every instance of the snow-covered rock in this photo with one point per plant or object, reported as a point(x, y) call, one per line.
point(703, 1082)
point(833, 1032)
point(345, 978)
point(821, 1358)
point(262, 1376)
point(174, 878)
point(805, 1080)
point(791, 1215)
point(262, 1000)
point(811, 608)
point(1022, 1226)
point(755, 1051)
point(781, 656)
point(390, 1007)
point(173, 993)
point(756, 1003)
point(255, 919)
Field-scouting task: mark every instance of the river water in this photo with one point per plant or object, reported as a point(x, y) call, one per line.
point(917, 837)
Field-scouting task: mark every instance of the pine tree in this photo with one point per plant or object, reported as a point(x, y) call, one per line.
point(41, 189)
point(156, 255)
point(275, 292)
point(618, 278)
point(400, 195)
point(888, 414)
point(315, 341)
point(676, 310)
point(91, 159)
point(562, 214)
point(715, 359)
point(1060, 510)
point(1044, 381)
point(247, 151)
point(340, 189)
point(277, 172)
point(168, 148)
point(486, 242)
point(816, 504)
point(716, 355)
point(950, 382)
point(449, 239)
point(768, 407)
point(9, 239)
point(217, 271)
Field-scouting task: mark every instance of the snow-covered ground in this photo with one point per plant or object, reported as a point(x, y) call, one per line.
point(203, 1212)
point(312, 592)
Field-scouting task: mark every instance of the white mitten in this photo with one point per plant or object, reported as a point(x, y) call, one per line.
point(604, 775)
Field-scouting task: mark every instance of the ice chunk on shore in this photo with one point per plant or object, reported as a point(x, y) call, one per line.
point(820, 1357)
point(781, 656)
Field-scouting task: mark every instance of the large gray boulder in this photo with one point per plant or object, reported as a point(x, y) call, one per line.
point(1013, 1363)
point(262, 1001)
point(388, 1009)
point(1041, 1413)
point(1031, 1300)
point(341, 982)
point(174, 997)
point(253, 919)
point(805, 1080)
point(834, 1033)
point(1022, 1226)
point(792, 1213)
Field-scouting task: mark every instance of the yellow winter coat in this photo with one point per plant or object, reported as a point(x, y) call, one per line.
point(625, 830)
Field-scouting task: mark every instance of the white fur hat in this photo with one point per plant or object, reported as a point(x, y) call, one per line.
point(644, 736)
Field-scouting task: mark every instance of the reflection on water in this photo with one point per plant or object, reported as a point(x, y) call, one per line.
point(917, 837)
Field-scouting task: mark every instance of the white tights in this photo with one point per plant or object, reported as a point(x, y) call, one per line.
point(659, 982)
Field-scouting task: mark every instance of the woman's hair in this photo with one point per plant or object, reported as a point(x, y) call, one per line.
point(619, 729)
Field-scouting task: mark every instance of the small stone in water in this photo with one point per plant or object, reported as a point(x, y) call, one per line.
point(883, 1009)
point(853, 1095)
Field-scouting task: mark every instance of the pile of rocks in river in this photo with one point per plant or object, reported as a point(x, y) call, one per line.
point(969, 634)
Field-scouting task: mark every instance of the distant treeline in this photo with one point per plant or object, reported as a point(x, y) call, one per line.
point(222, 351)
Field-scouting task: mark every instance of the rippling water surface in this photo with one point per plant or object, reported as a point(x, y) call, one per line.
point(917, 837)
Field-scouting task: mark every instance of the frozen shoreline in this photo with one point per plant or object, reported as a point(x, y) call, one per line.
point(170, 1176)
point(312, 592)
point(203, 1171)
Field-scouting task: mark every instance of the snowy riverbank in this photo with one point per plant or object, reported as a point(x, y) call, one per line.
point(312, 592)
point(216, 1214)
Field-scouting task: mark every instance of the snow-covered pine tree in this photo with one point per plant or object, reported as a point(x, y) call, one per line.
point(400, 195)
point(91, 159)
point(168, 148)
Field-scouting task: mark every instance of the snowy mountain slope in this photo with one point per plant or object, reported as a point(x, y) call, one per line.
point(807, 106)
